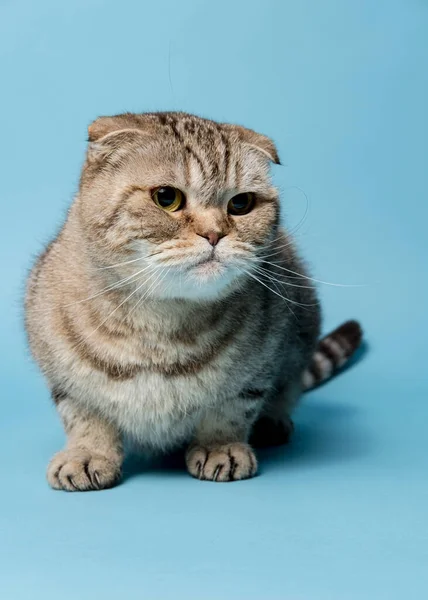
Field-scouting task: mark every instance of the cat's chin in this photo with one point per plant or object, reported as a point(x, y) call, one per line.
point(208, 270)
point(208, 280)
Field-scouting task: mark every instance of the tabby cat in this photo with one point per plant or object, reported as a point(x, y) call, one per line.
point(171, 309)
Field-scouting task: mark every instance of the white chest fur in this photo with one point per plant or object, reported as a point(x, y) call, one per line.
point(155, 410)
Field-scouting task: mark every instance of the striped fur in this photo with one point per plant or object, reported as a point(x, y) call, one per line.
point(333, 352)
point(146, 331)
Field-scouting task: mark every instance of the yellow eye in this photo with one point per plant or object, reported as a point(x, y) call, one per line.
point(241, 204)
point(168, 198)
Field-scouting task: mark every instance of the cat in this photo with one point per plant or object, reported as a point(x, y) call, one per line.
point(172, 309)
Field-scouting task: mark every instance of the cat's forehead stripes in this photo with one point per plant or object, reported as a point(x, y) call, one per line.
point(208, 160)
point(205, 147)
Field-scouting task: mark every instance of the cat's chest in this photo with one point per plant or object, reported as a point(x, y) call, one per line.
point(209, 363)
point(183, 380)
point(172, 381)
point(189, 354)
point(159, 410)
point(164, 382)
point(160, 402)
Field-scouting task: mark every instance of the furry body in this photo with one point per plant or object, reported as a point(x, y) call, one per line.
point(146, 330)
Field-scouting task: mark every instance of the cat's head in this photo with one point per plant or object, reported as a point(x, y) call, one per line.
point(187, 199)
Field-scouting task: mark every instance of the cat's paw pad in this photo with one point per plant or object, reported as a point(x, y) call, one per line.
point(80, 470)
point(228, 462)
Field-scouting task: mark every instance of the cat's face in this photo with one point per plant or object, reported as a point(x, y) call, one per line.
point(187, 200)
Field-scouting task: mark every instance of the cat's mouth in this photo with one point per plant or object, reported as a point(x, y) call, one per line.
point(204, 275)
point(207, 260)
point(207, 267)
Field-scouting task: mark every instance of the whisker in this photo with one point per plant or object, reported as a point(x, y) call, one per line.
point(356, 285)
point(121, 283)
point(109, 288)
point(273, 291)
point(258, 260)
point(295, 228)
point(271, 281)
point(171, 282)
point(114, 311)
point(278, 250)
point(303, 219)
point(270, 276)
point(128, 262)
point(277, 293)
point(157, 281)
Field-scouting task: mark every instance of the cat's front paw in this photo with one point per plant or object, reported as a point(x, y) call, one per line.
point(228, 462)
point(78, 470)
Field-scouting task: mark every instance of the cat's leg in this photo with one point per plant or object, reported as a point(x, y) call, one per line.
point(220, 449)
point(274, 426)
point(93, 456)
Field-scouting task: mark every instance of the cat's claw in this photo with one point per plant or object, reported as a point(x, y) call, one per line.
point(228, 462)
point(79, 470)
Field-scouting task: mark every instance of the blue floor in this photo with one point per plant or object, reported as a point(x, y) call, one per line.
point(341, 86)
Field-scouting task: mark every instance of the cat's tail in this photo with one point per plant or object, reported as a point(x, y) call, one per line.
point(333, 352)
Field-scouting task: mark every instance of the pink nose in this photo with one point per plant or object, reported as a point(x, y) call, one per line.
point(212, 236)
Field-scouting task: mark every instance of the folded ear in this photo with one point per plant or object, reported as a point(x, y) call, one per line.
point(109, 134)
point(105, 125)
point(256, 140)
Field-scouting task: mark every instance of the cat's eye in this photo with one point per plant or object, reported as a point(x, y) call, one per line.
point(168, 198)
point(241, 204)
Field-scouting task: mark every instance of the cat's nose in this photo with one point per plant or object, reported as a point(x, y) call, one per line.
point(212, 236)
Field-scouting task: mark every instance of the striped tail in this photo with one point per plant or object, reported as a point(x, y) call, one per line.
point(333, 351)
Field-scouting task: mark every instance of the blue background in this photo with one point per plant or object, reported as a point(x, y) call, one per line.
point(342, 88)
